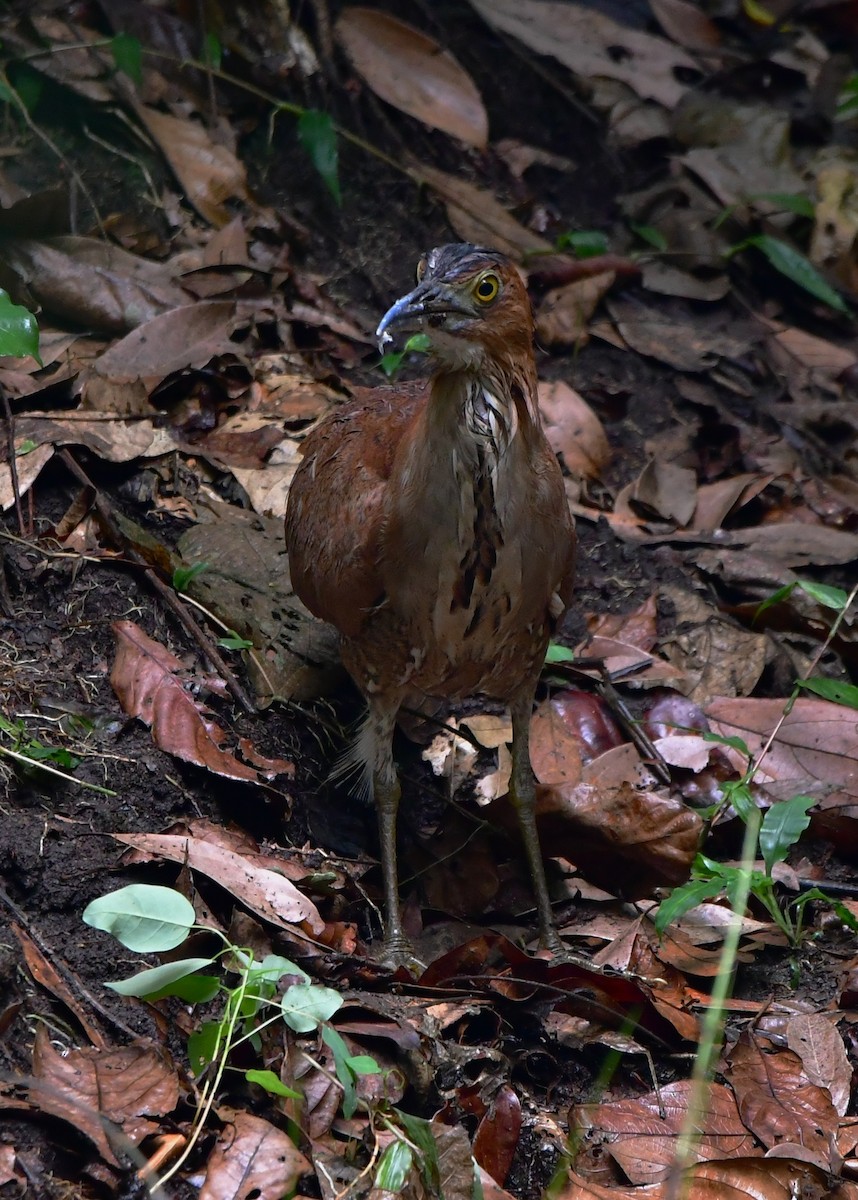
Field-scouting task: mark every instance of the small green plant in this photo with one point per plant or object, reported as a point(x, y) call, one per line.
point(773, 835)
point(19, 332)
point(319, 138)
point(847, 103)
point(234, 641)
point(584, 243)
point(149, 919)
point(182, 576)
point(792, 264)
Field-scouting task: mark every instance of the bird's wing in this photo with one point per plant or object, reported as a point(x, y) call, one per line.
point(337, 503)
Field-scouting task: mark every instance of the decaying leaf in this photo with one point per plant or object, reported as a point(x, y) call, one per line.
point(592, 45)
point(147, 679)
point(264, 889)
point(573, 429)
point(252, 1158)
point(413, 73)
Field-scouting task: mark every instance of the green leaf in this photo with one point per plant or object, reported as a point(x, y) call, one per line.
point(319, 139)
point(233, 641)
point(212, 51)
point(363, 1064)
point(782, 826)
point(128, 56)
point(19, 332)
point(842, 911)
point(735, 743)
point(272, 969)
point(418, 343)
point(143, 917)
point(649, 234)
point(828, 597)
point(29, 86)
point(271, 1083)
point(395, 1167)
point(584, 243)
point(27, 446)
point(558, 654)
point(793, 264)
point(420, 1134)
point(182, 576)
point(306, 1005)
point(193, 989)
point(341, 1066)
point(737, 793)
point(794, 202)
point(684, 898)
point(777, 597)
point(202, 1045)
point(159, 979)
point(831, 689)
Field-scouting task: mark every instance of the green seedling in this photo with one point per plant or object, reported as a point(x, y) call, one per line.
point(234, 641)
point(794, 266)
point(182, 576)
point(319, 138)
point(149, 920)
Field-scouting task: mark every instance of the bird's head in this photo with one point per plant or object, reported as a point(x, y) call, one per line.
point(472, 304)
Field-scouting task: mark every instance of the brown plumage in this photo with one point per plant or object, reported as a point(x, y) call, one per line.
point(428, 522)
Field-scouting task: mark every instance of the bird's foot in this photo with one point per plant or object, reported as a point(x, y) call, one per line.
point(561, 953)
point(396, 952)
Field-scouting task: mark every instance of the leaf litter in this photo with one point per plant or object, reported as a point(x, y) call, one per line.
point(195, 356)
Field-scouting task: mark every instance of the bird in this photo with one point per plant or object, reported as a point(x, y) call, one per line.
point(428, 522)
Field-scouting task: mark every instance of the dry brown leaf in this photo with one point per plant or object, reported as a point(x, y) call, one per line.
point(777, 1101)
point(564, 312)
point(146, 679)
point(635, 628)
point(644, 1144)
point(814, 754)
point(86, 1087)
point(477, 216)
point(92, 283)
point(413, 73)
point(209, 173)
point(690, 344)
point(108, 435)
point(619, 836)
point(715, 654)
point(262, 888)
point(668, 490)
point(573, 429)
point(724, 1179)
point(814, 1038)
point(28, 467)
point(716, 500)
point(832, 246)
point(592, 45)
point(191, 336)
point(251, 1158)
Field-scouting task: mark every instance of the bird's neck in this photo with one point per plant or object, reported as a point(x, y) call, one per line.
point(490, 409)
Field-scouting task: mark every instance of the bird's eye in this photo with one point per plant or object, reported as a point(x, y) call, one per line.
point(487, 288)
point(421, 269)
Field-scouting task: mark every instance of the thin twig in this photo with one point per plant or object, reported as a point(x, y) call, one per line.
point(169, 597)
point(13, 466)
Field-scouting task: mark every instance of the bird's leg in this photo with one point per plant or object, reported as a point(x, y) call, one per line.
point(386, 792)
point(522, 792)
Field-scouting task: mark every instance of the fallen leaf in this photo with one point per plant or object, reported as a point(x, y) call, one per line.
point(814, 1038)
point(644, 1143)
point(146, 679)
point(263, 889)
point(686, 24)
point(573, 429)
point(412, 72)
point(564, 312)
point(210, 174)
point(477, 216)
point(776, 1100)
point(251, 1158)
point(592, 44)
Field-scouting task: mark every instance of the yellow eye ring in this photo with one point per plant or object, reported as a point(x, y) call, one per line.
point(487, 288)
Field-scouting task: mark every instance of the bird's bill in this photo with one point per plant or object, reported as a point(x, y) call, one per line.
point(427, 300)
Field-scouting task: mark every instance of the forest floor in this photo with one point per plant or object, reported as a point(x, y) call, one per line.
point(677, 190)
